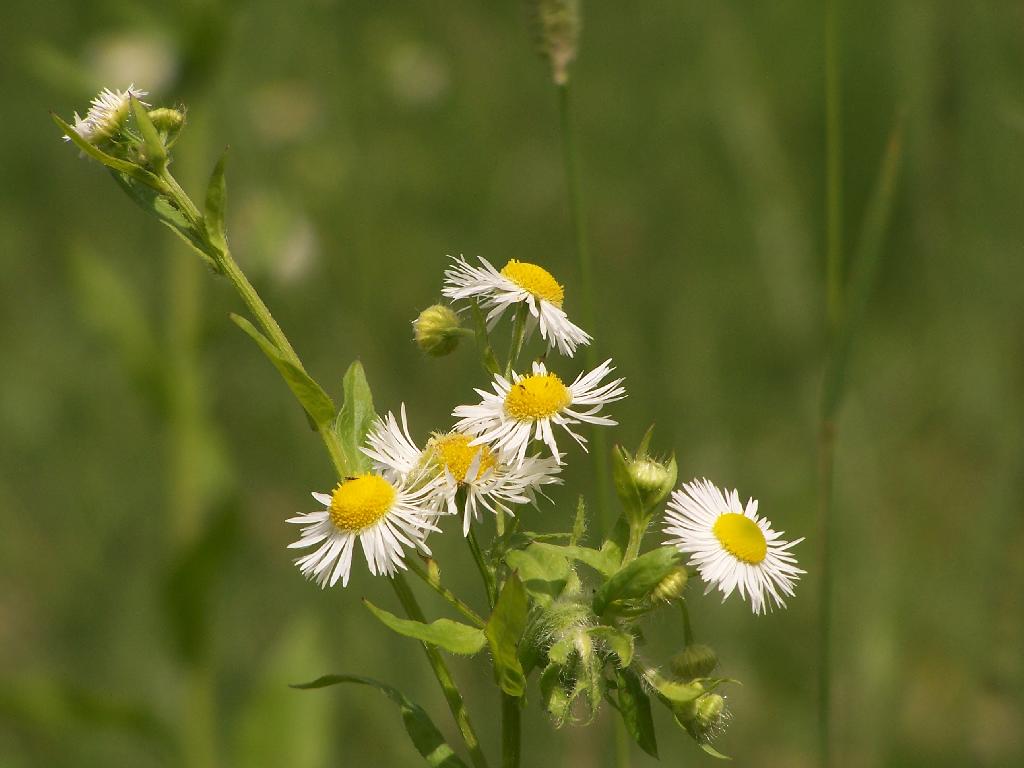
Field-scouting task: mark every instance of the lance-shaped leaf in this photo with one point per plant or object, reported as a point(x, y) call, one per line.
point(635, 709)
point(309, 394)
point(136, 172)
point(355, 418)
point(543, 569)
point(449, 635)
point(637, 579)
point(603, 561)
point(504, 630)
point(424, 734)
point(712, 751)
point(216, 203)
point(619, 642)
point(156, 153)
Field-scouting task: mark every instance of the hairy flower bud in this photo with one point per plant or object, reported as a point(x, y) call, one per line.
point(168, 122)
point(695, 660)
point(437, 330)
point(557, 28)
point(710, 717)
point(671, 587)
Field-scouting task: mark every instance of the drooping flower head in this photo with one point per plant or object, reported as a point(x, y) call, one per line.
point(485, 477)
point(386, 516)
point(107, 114)
point(518, 282)
point(528, 407)
point(731, 547)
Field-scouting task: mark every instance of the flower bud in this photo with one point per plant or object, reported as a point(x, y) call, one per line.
point(557, 27)
point(168, 122)
point(671, 587)
point(437, 330)
point(654, 479)
point(710, 717)
point(695, 660)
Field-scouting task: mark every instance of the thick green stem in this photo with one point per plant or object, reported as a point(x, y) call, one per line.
point(599, 448)
point(511, 730)
point(636, 537)
point(443, 675)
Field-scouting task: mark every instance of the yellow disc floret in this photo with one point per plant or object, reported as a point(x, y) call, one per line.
point(358, 503)
point(455, 454)
point(537, 396)
point(741, 537)
point(535, 280)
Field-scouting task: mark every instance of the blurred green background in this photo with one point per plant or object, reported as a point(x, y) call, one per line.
point(368, 140)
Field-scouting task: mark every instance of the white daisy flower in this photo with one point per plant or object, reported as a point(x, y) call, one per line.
point(487, 480)
point(730, 545)
point(107, 113)
point(517, 282)
point(528, 406)
point(385, 515)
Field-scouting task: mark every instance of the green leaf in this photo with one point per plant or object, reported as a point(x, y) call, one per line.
point(132, 170)
point(452, 636)
point(543, 570)
point(189, 587)
point(355, 418)
point(635, 709)
point(579, 524)
point(625, 488)
point(713, 752)
point(619, 641)
point(557, 700)
point(504, 630)
point(216, 203)
point(156, 153)
point(309, 394)
point(637, 578)
point(424, 734)
point(603, 561)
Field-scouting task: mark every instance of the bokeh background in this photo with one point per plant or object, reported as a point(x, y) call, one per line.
point(149, 612)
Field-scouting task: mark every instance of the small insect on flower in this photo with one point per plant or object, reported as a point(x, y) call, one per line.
point(486, 479)
point(517, 282)
point(730, 545)
point(385, 515)
point(107, 114)
point(527, 407)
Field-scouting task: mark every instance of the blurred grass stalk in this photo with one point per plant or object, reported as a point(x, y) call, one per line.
point(846, 302)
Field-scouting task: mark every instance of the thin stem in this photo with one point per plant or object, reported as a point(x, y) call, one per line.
point(687, 626)
point(518, 333)
point(511, 730)
point(483, 340)
point(576, 212)
point(445, 593)
point(485, 573)
point(443, 675)
point(833, 312)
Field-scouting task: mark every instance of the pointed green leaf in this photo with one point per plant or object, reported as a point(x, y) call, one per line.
point(557, 700)
point(635, 709)
point(156, 153)
point(637, 578)
point(216, 203)
point(713, 752)
point(355, 418)
point(543, 570)
point(579, 524)
point(449, 635)
point(603, 561)
point(619, 641)
point(424, 734)
point(132, 170)
point(309, 394)
point(504, 630)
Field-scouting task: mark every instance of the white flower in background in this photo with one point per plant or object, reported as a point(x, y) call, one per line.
point(487, 480)
point(730, 545)
point(529, 406)
point(384, 515)
point(517, 282)
point(107, 113)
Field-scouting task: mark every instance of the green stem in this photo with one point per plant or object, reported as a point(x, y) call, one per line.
point(518, 332)
point(483, 340)
point(599, 450)
point(687, 626)
point(833, 313)
point(636, 537)
point(445, 593)
point(511, 730)
point(443, 675)
point(485, 573)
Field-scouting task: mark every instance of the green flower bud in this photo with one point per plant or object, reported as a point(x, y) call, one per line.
point(671, 587)
point(695, 660)
point(556, 25)
point(168, 122)
point(710, 717)
point(437, 330)
point(651, 478)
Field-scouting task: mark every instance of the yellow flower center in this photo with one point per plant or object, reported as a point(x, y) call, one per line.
point(741, 537)
point(456, 454)
point(534, 279)
point(537, 396)
point(359, 503)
